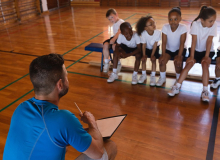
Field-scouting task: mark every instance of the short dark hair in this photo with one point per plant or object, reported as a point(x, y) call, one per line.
point(141, 24)
point(110, 11)
point(205, 13)
point(125, 25)
point(175, 9)
point(45, 71)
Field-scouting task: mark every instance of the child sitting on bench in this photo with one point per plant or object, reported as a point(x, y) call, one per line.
point(128, 44)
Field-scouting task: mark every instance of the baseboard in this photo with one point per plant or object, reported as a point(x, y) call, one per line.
point(85, 3)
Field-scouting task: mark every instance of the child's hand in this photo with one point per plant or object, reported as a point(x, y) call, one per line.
point(161, 59)
point(153, 58)
point(123, 55)
point(190, 59)
point(178, 61)
point(144, 58)
point(206, 59)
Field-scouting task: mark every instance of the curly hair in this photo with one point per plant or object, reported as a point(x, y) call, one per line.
point(141, 24)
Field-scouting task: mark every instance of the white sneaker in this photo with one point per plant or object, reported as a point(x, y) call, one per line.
point(106, 67)
point(112, 78)
point(215, 83)
point(134, 79)
point(152, 80)
point(142, 78)
point(161, 81)
point(119, 68)
point(174, 90)
point(205, 96)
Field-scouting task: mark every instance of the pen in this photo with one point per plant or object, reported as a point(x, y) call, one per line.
point(78, 108)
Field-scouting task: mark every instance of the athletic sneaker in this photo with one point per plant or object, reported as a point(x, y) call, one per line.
point(152, 80)
point(106, 67)
point(142, 78)
point(205, 96)
point(134, 79)
point(161, 81)
point(119, 68)
point(113, 77)
point(174, 90)
point(215, 83)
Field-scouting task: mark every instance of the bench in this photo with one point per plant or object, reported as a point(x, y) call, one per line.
point(98, 47)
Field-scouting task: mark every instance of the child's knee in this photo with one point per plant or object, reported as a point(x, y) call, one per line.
point(106, 45)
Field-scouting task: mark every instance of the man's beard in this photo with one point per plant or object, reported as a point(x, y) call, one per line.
point(64, 91)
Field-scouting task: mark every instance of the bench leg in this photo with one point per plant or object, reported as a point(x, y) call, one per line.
point(102, 62)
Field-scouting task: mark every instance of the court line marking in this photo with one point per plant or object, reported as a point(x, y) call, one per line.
point(64, 53)
point(33, 89)
point(214, 126)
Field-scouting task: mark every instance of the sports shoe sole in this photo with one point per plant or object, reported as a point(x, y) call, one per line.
point(172, 95)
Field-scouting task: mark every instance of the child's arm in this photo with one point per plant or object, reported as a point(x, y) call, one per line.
point(182, 42)
point(164, 43)
point(153, 51)
point(208, 45)
point(138, 50)
point(112, 41)
point(193, 46)
point(144, 50)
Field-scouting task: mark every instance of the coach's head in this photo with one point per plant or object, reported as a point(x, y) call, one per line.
point(49, 76)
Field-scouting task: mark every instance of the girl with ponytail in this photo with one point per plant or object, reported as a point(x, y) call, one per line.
point(203, 29)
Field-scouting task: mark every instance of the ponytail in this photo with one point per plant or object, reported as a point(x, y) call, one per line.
point(205, 13)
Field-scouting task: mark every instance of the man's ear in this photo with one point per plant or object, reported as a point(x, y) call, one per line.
point(60, 84)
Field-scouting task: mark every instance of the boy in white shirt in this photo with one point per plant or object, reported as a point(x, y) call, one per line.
point(112, 16)
point(128, 44)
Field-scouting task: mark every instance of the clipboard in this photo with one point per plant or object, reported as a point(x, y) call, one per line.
point(108, 125)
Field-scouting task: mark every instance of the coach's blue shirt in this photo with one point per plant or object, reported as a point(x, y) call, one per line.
point(40, 131)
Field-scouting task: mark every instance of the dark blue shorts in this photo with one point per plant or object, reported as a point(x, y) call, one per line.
point(127, 49)
point(173, 54)
point(108, 40)
point(149, 52)
point(198, 56)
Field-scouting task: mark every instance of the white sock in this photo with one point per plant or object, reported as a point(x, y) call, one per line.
point(178, 85)
point(163, 74)
point(106, 60)
point(119, 62)
point(177, 75)
point(205, 88)
point(144, 72)
point(135, 73)
point(115, 70)
point(153, 73)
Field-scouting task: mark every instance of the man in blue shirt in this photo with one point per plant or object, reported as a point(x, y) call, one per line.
point(40, 131)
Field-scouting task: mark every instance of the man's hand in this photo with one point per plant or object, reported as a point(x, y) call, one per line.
point(87, 117)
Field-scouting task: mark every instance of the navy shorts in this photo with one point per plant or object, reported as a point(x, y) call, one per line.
point(173, 54)
point(218, 53)
point(108, 40)
point(127, 49)
point(149, 52)
point(198, 56)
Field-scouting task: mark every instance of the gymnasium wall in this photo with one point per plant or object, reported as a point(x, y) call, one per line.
point(18, 10)
point(161, 3)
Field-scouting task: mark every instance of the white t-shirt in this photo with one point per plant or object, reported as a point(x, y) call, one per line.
point(173, 38)
point(116, 26)
point(132, 43)
point(202, 35)
point(150, 39)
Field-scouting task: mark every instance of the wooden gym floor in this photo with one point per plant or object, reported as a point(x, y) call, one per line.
point(157, 127)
